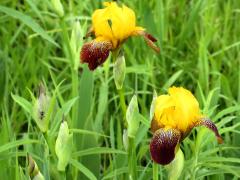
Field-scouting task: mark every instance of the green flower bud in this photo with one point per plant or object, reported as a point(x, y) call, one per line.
point(119, 71)
point(39, 176)
point(41, 108)
point(176, 166)
point(57, 6)
point(33, 170)
point(153, 105)
point(125, 139)
point(132, 117)
point(76, 43)
point(63, 146)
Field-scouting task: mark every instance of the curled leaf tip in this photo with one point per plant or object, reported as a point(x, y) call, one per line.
point(210, 125)
point(163, 145)
point(95, 53)
point(150, 40)
point(220, 140)
point(150, 37)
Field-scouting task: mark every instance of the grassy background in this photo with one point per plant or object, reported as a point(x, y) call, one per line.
point(199, 41)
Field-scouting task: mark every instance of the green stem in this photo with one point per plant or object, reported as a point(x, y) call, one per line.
point(155, 171)
point(195, 163)
point(122, 104)
point(121, 91)
point(63, 175)
point(74, 77)
point(74, 94)
point(132, 164)
point(74, 72)
point(50, 143)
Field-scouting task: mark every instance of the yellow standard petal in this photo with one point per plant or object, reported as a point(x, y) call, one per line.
point(115, 23)
point(178, 110)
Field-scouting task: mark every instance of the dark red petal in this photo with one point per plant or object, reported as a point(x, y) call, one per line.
point(163, 145)
point(150, 41)
point(210, 125)
point(150, 37)
point(95, 53)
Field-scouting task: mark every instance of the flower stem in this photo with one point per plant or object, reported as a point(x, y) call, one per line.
point(155, 171)
point(74, 94)
point(120, 91)
point(123, 104)
point(49, 142)
point(74, 79)
point(132, 162)
point(74, 72)
point(63, 175)
point(195, 162)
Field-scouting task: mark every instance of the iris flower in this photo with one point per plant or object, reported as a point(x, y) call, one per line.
point(111, 27)
point(175, 115)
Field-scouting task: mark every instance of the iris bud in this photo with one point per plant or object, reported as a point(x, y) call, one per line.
point(63, 147)
point(119, 71)
point(41, 108)
point(75, 44)
point(176, 166)
point(33, 170)
point(152, 107)
point(125, 139)
point(132, 117)
point(57, 6)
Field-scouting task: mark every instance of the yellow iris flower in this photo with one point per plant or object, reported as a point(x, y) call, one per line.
point(111, 26)
point(175, 115)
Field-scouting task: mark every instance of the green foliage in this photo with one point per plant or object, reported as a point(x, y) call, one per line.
point(199, 42)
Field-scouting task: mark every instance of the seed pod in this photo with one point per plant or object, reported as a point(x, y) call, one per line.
point(119, 71)
point(132, 117)
point(63, 146)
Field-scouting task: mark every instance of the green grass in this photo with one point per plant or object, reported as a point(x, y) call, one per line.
point(200, 50)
